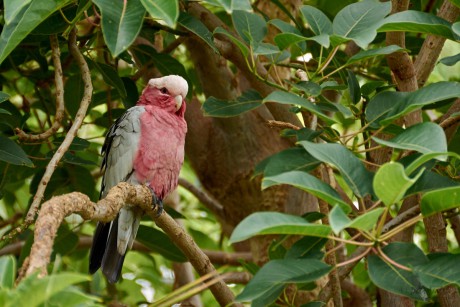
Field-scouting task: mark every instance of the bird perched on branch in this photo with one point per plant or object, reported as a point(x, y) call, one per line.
point(144, 146)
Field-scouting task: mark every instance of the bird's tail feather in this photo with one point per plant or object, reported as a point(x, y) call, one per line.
point(98, 246)
point(112, 262)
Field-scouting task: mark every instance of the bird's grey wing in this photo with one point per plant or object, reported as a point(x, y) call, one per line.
point(119, 152)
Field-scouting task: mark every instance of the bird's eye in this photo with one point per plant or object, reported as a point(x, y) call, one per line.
point(164, 90)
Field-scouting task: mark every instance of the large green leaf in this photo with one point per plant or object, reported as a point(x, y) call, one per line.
point(12, 8)
point(166, 10)
point(198, 28)
point(271, 279)
point(385, 107)
point(440, 271)
point(308, 183)
point(264, 223)
point(23, 18)
point(415, 21)
point(366, 54)
point(251, 27)
point(440, 200)
point(249, 100)
point(352, 170)
point(160, 243)
point(121, 23)
point(425, 138)
point(391, 182)
point(7, 272)
point(11, 152)
point(360, 21)
point(291, 159)
point(391, 278)
point(43, 288)
point(290, 98)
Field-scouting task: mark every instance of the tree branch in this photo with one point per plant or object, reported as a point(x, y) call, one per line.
point(56, 209)
point(203, 197)
point(432, 46)
point(59, 83)
point(52, 165)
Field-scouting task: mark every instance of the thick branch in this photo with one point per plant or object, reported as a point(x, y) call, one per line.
point(56, 209)
point(59, 83)
point(52, 165)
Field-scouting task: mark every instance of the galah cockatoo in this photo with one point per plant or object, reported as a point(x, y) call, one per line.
point(144, 146)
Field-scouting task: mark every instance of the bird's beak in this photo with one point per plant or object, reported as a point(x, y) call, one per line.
point(178, 100)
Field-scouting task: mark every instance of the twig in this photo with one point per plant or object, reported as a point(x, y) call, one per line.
point(283, 125)
point(203, 197)
point(56, 209)
point(52, 165)
point(58, 80)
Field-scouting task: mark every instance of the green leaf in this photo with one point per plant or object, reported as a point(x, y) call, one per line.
point(4, 97)
point(198, 28)
point(160, 243)
point(307, 183)
point(308, 87)
point(121, 23)
point(110, 76)
point(352, 170)
point(440, 271)
point(12, 8)
point(23, 18)
point(11, 152)
point(168, 65)
point(307, 248)
point(456, 28)
point(318, 21)
point(243, 48)
point(449, 61)
point(43, 288)
point(366, 54)
point(230, 5)
point(391, 183)
point(250, 27)
point(290, 98)
point(425, 138)
point(72, 296)
point(7, 272)
point(73, 93)
point(264, 223)
point(66, 240)
point(430, 181)
point(265, 287)
point(385, 107)
point(284, 40)
point(360, 21)
point(166, 10)
point(415, 21)
point(249, 100)
point(387, 276)
point(427, 157)
point(291, 159)
point(440, 200)
point(339, 220)
point(319, 24)
point(353, 87)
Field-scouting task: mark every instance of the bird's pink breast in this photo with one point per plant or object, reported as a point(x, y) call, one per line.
point(161, 150)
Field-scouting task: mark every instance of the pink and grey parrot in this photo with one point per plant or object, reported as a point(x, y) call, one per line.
point(144, 146)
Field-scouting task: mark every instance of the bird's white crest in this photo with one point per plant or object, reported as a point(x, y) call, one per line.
point(176, 85)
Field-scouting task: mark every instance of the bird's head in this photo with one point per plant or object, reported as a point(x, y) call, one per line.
point(167, 92)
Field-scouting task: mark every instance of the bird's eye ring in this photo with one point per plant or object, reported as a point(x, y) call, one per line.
point(164, 90)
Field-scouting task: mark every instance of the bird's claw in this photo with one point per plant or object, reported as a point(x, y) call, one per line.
point(156, 203)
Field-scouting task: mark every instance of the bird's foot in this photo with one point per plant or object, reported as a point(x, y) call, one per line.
point(156, 203)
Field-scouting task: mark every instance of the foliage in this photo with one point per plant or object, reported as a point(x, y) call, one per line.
point(352, 96)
